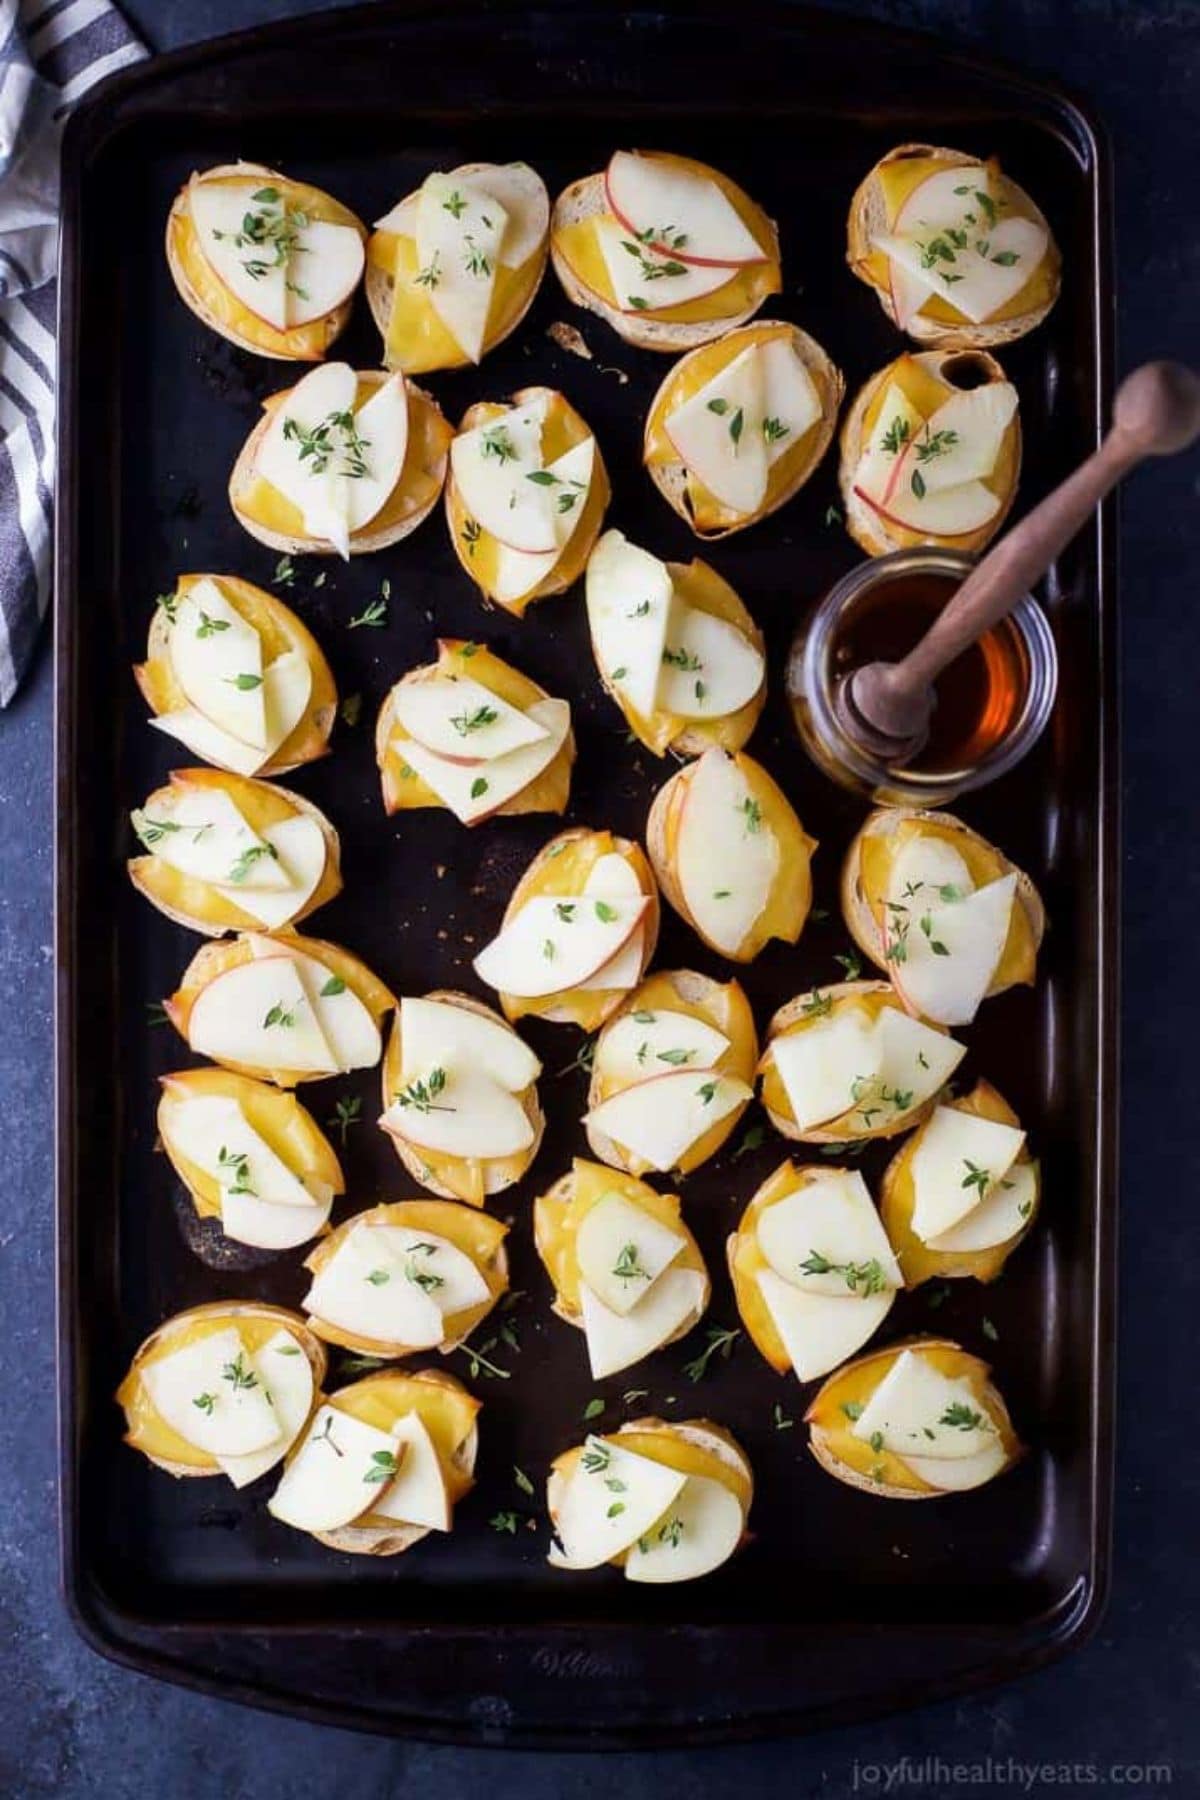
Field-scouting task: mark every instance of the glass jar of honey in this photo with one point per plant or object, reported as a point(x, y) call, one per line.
point(991, 703)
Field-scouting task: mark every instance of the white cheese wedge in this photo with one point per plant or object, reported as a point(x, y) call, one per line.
point(718, 434)
point(659, 1120)
point(554, 943)
point(652, 1041)
point(474, 791)
point(826, 1238)
point(700, 1530)
point(217, 659)
point(418, 1495)
point(616, 1341)
point(459, 232)
point(709, 668)
point(791, 404)
point(341, 1470)
point(971, 426)
point(882, 460)
point(471, 1115)
point(286, 1374)
point(977, 286)
point(229, 1020)
point(323, 270)
point(952, 952)
point(727, 857)
point(611, 1499)
point(967, 1472)
point(821, 1065)
point(1002, 1213)
point(629, 595)
point(515, 186)
point(916, 1410)
point(644, 279)
point(817, 1332)
point(460, 719)
point(622, 1251)
point(367, 1288)
point(956, 1150)
point(433, 1031)
point(247, 264)
point(211, 1393)
point(680, 209)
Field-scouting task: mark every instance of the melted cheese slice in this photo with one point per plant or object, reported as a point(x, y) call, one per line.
point(918, 1411)
point(212, 1394)
point(727, 857)
point(958, 1162)
point(341, 1470)
point(611, 1498)
point(701, 1530)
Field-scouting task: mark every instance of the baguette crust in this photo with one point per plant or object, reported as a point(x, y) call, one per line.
point(494, 1180)
point(308, 1340)
point(869, 529)
point(860, 920)
point(335, 321)
point(868, 218)
point(587, 199)
point(671, 478)
point(191, 922)
point(362, 543)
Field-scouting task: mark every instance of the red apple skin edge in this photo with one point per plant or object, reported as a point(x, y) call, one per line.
point(588, 974)
point(943, 537)
point(699, 262)
point(521, 549)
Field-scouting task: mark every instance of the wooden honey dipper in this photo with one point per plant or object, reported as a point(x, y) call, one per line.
point(885, 707)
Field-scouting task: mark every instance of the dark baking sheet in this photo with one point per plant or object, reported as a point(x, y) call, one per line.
point(842, 1604)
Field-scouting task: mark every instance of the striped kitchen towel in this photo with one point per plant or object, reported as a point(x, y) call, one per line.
point(51, 52)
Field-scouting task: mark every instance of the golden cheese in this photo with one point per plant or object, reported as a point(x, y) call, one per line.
point(417, 339)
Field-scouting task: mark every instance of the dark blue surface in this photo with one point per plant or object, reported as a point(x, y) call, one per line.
point(71, 1725)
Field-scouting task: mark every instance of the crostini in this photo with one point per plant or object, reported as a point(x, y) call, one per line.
point(281, 1007)
point(383, 1463)
point(738, 426)
point(958, 254)
point(813, 1272)
point(931, 453)
point(269, 263)
point(453, 268)
point(526, 496)
point(661, 1500)
point(411, 1275)
point(342, 464)
point(942, 912)
point(232, 673)
point(962, 1193)
point(578, 934)
point(471, 734)
point(666, 250)
point(626, 1270)
point(223, 1389)
point(730, 854)
point(227, 853)
point(460, 1097)
point(248, 1155)
point(671, 1074)
point(847, 1063)
point(676, 649)
point(912, 1422)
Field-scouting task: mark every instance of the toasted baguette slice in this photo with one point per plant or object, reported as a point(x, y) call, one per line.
point(233, 1310)
point(868, 219)
point(860, 920)
point(873, 532)
point(819, 1444)
point(141, 868)
point(394, 1539)
point(498, 1172)
point(587, 199)
point(671, 478)
point(333, 323)
point(371, 537)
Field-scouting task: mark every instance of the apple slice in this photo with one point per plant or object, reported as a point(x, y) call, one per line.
point(471, 1115)
point(917, 1408)
point(212, 1131)
point(517, 573)
point(211, 1393)
point(323, 270)
point(1002, 1213)
point(681, 212)
point(499, 474)
point(463, 721)
point(709, 668)
point(820, 1065)
point(646, 279)
point(727, 857)
point(364, 1288)
point(287, 1376)
point(826, 1238)
point(248, 266)
point(217, 659)
point(976, 285)
point(718, 434)
point(521, 191)
point(954, 512)
point(628, 603)
point(965, 435)
point(942, 961)
point(820, 1333)
point(616, 1341)
point(346, 1024)
point(613, 878)
point(957, 1477)
point(474, 792)
point(909, 293)
point(339, 1472)
point(299, 853)
point(914, 1060)
point(927, 871)
point(335, 464)
point(435, 1265)
point(554, 944)
point(434, 1029)
point(622, 1251)
point(959, 1158)
point(791, 404)
point(418, 1495)
point(200, 832)
point(646, 1043)
point(459, 234)
point(660, 1119)
point(944, 198)
point(881, 462)
point(700, 1530)
point(592, 1525)
point(229, 1020)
